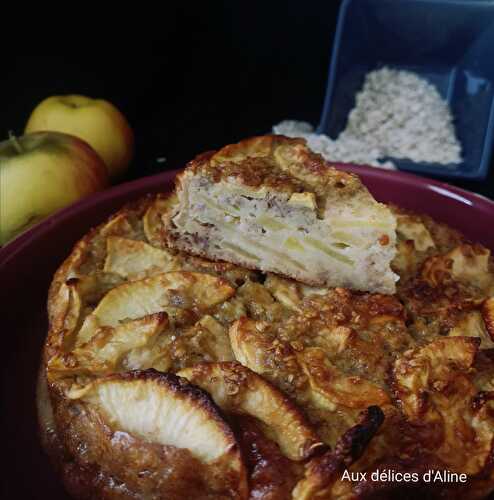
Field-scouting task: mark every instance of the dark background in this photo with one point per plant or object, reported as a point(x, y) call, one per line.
point(189, 77)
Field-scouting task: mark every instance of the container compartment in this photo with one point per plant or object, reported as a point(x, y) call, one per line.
point(450, 43)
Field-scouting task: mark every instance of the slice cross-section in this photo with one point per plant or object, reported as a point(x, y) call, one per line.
point(271, 204)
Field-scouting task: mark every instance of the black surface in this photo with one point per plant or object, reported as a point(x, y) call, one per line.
point(190, 77)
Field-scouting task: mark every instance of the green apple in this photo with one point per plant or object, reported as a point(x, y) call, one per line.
point(41, 173)
point(96, 121)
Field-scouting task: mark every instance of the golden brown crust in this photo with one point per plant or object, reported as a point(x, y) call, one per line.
point(267, 161)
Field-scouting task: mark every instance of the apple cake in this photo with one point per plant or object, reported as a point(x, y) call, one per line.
point(269, 203)
point(169, 376)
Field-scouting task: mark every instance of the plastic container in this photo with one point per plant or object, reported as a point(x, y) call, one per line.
point(448, 42)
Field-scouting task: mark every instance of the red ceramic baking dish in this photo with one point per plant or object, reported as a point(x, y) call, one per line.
point(27, 265)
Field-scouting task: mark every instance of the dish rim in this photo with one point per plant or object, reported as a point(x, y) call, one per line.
point(9, 251)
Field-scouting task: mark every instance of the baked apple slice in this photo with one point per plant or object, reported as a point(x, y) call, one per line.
point(65, 315)
point(180, 289)
point(118, 225)
point(435, 386)
point(465, 264)
point(330, 387)
point(237, 389)
point(289, 292)
point(68, 307)
point(133, 259)
point(251, 344)
point(157, 423)
point(332, 396)
point(152, 220)
point(106, 351)
point(476, 324)
point(208, 339)
point(410, 228)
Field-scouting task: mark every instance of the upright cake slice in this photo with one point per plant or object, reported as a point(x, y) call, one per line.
point(269, 203)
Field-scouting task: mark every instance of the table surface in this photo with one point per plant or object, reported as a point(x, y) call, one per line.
point(189, 79)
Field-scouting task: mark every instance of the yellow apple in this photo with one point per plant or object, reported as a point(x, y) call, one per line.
point(96, 121)
point(41, 173)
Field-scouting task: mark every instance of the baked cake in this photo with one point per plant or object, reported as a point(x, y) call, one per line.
point(169, 376)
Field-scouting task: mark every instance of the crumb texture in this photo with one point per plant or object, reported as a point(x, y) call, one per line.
point(271, 204)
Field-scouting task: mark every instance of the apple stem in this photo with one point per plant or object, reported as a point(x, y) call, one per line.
point(15, 142)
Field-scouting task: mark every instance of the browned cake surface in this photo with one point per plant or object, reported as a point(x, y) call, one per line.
point(278, 162)
point(169, 376)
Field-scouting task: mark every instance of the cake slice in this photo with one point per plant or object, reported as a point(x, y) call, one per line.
point(270, 203)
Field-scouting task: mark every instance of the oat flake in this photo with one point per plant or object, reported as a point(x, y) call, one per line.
point(397, 114)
